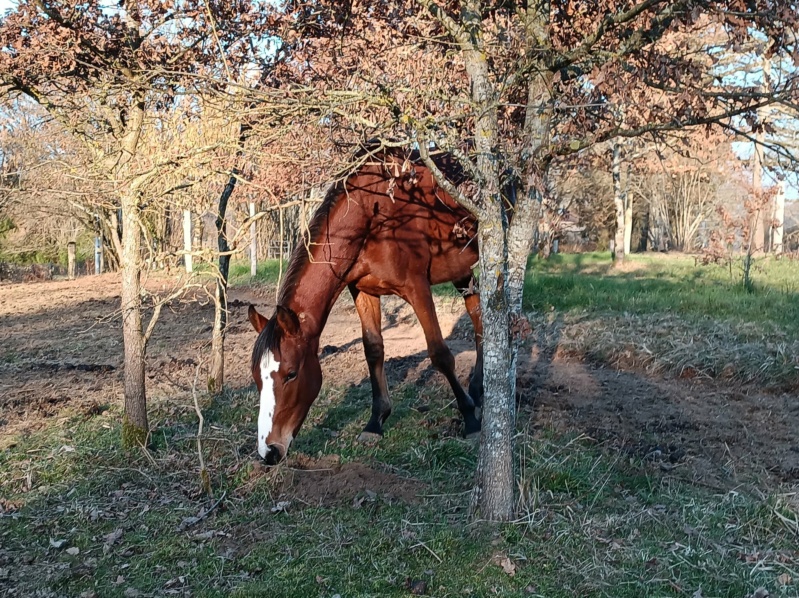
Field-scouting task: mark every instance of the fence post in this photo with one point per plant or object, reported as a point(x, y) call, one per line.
point(253, 243)
point(71, 260)
point(97, 246)
point(187, 259)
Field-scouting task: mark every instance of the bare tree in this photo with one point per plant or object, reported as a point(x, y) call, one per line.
point(104, 75)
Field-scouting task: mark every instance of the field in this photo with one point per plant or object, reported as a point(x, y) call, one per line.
point(658, 452)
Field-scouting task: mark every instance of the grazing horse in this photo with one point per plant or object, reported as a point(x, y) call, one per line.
point(388, 229)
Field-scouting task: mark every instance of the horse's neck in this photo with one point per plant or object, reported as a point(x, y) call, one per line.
point(322, 267)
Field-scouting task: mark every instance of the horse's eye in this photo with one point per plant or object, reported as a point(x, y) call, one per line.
point(290, 376)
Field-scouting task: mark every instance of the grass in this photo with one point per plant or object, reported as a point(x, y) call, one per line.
point(592, 521)
point(266, 273)
point(79, 517)
point(666, 285)
point(659, 313)
point(666, 314)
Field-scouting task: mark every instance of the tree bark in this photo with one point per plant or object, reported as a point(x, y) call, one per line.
point(619, 201)
point(758, 221)
point(628, 212)
point(504, 244)
point(216, 377)
point(495, 475)
point(134, 426)
point(779, 218)
point(71, 260)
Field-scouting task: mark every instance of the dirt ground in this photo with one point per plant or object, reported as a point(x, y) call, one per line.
point(61, 349)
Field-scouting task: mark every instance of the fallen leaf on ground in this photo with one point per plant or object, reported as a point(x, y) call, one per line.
point(503, 560)
point(113, 537)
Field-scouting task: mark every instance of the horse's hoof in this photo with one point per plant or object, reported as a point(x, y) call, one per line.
point(369, 438)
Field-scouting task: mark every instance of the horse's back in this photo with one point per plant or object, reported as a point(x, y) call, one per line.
point(413, 229)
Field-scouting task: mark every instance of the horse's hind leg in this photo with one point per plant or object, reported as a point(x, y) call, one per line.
point(368, 307)
point(467, 287)
point(421, 300)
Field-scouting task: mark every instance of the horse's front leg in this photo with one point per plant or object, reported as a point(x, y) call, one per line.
point(421, 299)
point(368, 307)
point(467, 287)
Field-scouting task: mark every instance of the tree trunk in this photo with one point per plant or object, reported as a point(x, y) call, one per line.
point(779, 218)
point(495, 476)
point(134, 425)
point(187, 258)
point(71, 260)
point(628, 212)
point(619, 200)
point(216, 377)
point(135, 428)
point(758, 222)
point(112, 234)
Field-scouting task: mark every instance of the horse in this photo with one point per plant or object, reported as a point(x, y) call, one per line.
point(386, 229)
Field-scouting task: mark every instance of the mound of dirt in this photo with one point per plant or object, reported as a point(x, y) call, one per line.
point(326, 482)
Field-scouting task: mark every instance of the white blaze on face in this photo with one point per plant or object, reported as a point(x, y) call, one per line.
point(269, 366)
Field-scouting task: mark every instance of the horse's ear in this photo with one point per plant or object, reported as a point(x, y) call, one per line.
point(288, 321)
point(257, 320)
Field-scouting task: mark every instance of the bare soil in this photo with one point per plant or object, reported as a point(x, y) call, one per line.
point(61, 352)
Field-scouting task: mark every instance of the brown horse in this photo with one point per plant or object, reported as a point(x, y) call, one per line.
point(388, 229)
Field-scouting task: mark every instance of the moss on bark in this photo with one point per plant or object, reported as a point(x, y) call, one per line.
point(133, 435)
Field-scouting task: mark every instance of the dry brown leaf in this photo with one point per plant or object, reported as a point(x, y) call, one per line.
point(507, 565)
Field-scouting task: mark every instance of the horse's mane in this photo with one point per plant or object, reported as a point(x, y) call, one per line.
point(299, 256)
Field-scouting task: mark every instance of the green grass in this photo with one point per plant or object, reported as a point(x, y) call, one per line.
point(592, 521)
point(666, 285)
point(667, 314)
point(266, 272)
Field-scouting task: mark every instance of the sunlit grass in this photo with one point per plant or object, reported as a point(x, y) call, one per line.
point(665, 284)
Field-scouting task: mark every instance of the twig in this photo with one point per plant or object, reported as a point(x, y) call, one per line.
point(189, 521)
point(205, 479)
point(425, 546)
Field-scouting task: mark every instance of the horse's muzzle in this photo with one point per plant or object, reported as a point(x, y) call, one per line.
point(273, 455)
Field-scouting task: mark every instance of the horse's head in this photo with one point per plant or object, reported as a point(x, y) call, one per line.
point(285, 366)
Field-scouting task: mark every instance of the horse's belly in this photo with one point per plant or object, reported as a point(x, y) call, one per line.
point(452, 265)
